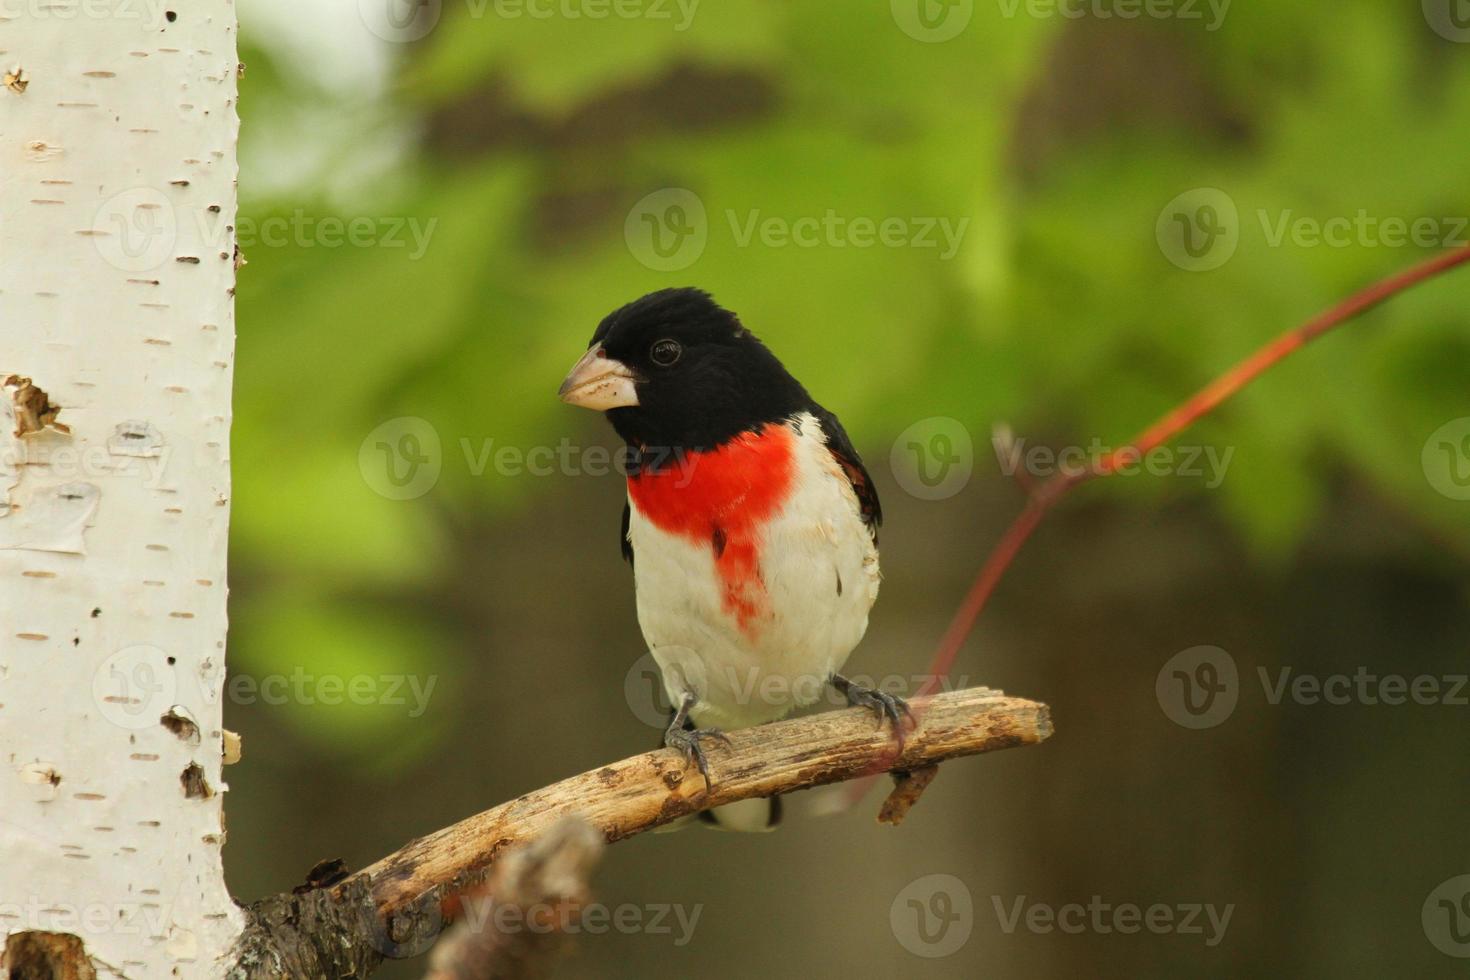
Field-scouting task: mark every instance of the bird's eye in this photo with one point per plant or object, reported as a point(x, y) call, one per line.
point(665, 352)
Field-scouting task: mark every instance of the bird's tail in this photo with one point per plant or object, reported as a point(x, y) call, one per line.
point(746, 816)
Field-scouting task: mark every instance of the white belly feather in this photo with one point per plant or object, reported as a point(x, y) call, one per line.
point(819, 566)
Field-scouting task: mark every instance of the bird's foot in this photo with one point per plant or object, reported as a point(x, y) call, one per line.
point(883, 704)
point(688, 743)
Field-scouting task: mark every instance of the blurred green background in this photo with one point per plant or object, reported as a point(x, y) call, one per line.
point(1131, 192)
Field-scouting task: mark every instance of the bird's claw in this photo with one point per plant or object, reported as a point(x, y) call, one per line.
point(687, 742)
point(883, 704)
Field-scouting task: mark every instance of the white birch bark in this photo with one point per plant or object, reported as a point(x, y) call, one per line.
point(117, 203)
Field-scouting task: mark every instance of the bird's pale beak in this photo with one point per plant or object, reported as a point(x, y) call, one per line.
point(599, 382)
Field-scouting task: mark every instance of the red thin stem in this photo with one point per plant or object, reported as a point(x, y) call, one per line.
point(1223, 387)
point(1206, 400)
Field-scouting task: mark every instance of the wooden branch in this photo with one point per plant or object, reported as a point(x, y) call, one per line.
point(515, 927)
point(907, 788)
point(397, 906)
point(653, 789)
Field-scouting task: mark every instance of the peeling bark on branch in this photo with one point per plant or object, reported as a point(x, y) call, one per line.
point(396, 906)
point(318, 933)
point(48, 955)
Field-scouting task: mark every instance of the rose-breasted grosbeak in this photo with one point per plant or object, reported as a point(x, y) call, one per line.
point(751, 523)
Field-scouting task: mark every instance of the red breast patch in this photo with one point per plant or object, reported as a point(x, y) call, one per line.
point(721, 500)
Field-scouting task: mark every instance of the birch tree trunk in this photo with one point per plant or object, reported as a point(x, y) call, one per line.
point(117, 267)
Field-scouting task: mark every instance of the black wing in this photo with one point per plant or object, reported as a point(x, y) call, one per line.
point(852, 464)
point(623, 536)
